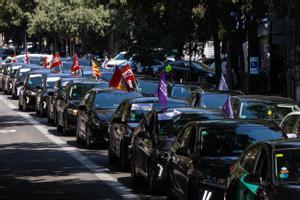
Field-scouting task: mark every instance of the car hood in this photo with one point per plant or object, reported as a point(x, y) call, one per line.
point(288, 191)
point(104, 115)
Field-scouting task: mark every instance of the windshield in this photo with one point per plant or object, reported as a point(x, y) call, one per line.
point(182, 92)
point(147, 87)
point(111, 100)
point(138, 109)
point(22, 73)
point(234, 141)
point(106, 76)
point(50, 83)
point(211, 100)
point(122, 56)
point(267, 111)
point(66, 66)
point(34, 81)
point(79, 90)
point(84, 62)
point(287, 165)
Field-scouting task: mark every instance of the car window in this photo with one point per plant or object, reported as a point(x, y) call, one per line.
point(211, 100)
point(188, 137)
point(250, 159)
point(288, 124)
point(263, 168)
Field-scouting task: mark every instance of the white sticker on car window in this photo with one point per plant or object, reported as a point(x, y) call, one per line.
point(142, 106)
point(52, 79)
point(35, 75)
point(168, 115)
point(25, 70)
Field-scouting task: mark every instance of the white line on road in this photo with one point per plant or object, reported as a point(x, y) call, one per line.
point(99, 171)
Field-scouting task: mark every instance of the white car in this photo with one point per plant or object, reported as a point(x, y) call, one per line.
point(291, 124)
point(121, 59)
point(34, 58)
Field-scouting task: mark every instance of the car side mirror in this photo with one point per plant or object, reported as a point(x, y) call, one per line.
point(144, 134)
point(183, 151)
point(82, 107)
point(118, 120)
point(253, 179)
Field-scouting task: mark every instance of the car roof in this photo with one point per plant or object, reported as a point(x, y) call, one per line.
point(191, 110)
point(153, 99)
point(84, 81)
point(263, 98)
point(284, 143)
point(40, 71)
point(109, 89)
point(59, 75)
point(232, 123)
point(217, 91)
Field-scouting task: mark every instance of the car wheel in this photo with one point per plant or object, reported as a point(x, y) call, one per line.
point(111, 157)
point(123, 157)
point(78, 139)
point(88, 138)
point(20, 106)
point(151, 179)
point(64, 128)
point(133, 174)
point(25, 107)
point(58, 127)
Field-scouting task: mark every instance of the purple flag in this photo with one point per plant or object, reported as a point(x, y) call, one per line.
point(222, 84)
point(162, 91)
point(227, 109)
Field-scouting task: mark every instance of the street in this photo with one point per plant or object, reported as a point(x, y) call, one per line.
point(39, 163)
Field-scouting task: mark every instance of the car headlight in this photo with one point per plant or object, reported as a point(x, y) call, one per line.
point(72, 111)
point(32, 93)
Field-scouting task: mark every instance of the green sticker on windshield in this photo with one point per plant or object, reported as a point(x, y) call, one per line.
point(204, 133)
point(279, 155)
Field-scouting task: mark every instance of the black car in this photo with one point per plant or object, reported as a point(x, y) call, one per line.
point(95, 113)
point(152, 139)
point(204, 151)
point(19, 77)
point(68, 102)
point(125, 119)
point(3, 73)
point(11, 73)
point(267, 170)
point(32, 84)
point(213, 99)
point(53, 97)
point(41, 102)
point(262, 107)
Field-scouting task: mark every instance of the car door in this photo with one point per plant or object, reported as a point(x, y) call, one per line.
point(85, 114)
point(144, 145)
point(247, 191)
point(181, 162)
point(288, 125)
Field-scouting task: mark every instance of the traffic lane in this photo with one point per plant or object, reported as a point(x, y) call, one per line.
point(32, 167)
point(98, 155)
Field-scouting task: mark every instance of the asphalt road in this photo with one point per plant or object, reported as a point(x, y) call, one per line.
point(36, 162)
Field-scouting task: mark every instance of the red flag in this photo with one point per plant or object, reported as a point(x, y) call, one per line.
point(116, 80)
point(128, 77)
point(46, 63)
point(14, 58)
point(56, 61)
point(27, 57)
point(75, 66)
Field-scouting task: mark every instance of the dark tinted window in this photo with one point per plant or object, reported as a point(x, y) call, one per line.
point(250, 159)
point(288, 124)
point(79, 90)
point(35, 81)
point(111, 99)
point(147, 87)
point(210, 100)
point(233, 141)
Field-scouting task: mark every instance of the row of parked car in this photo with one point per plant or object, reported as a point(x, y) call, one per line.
point(191, 150)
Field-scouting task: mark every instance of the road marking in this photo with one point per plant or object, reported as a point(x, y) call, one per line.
point(99, 171)
point(8, 131)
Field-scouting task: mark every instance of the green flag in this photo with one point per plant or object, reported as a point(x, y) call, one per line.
point(168, 68)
